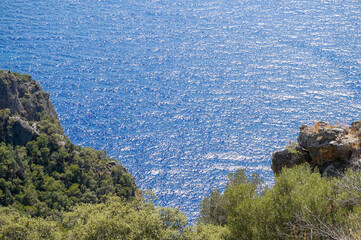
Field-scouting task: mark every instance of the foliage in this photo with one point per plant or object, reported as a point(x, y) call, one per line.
point(23, 77)
point(14, 225)
point(112, 219)
point(213, 209)
point(205, 232)
point(51, 174)
point(116, 219)
point(292, 147)
point(301, 205)
point(52, 189)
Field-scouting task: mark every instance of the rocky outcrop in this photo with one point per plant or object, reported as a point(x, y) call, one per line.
point(17, 131)
point(24, 97)
point(288, 158)
point(28, 118)
point(23, 105)
point(330, 148)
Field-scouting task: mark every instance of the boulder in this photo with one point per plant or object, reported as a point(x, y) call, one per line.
point(327, 143)
point(288, 158)
point(331, 149)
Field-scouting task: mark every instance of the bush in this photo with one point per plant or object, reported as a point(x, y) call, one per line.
point(301, 204)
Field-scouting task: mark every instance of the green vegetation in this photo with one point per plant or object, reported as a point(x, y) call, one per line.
point(112, 219)
point(52, 189)
point(292, 147)
point(50, 174)
point(301, 205)
point(23, 77)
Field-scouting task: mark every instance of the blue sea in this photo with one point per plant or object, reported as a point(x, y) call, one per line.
point(184, 92)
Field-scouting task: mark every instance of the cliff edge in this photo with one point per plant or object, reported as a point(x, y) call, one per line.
point(330, 148)
point(24, 97)
point(24, 104)
point(41, 171)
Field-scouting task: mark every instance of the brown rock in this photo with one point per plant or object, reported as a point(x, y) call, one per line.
point(331, 149)
point(326, 143)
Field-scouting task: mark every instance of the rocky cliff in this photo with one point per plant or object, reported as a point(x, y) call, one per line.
point(24, 104)
point(41, 171)
point(24, 97)
point(330, 148)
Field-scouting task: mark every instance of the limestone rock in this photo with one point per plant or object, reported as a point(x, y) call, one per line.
point(327, 143)
point(329, 148)
point(287, 158)
point(17, 131)
point(23, 103)
point(24, 96)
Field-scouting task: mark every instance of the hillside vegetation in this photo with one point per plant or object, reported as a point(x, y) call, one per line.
point(301, 205)
point(41, 171)
point(316, 195)
point(52, 189)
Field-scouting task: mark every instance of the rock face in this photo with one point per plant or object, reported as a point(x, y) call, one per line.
point(23, 104)
point(288, 158)
point(24, 96)
point(17, 131)
point(82, 175)
point(331, 149)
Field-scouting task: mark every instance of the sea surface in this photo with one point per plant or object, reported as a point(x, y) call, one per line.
point(184, 92)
